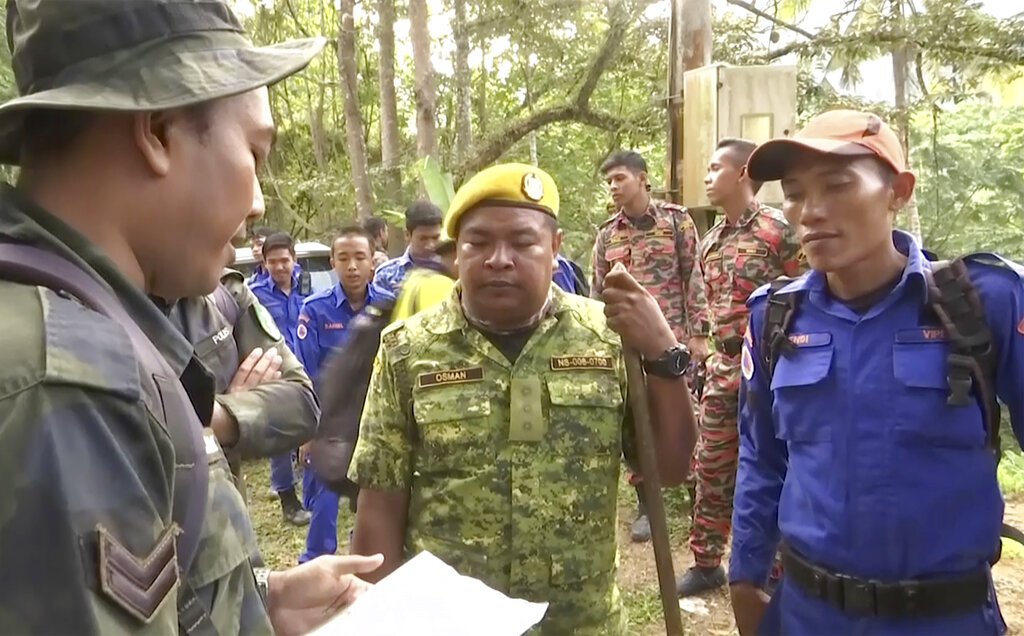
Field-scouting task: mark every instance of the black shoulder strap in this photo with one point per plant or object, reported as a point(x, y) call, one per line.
point(34, 266)
point(226, 303)
point(971, 362)
point(778, 316)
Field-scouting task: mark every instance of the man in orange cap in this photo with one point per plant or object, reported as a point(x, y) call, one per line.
point(867, 406)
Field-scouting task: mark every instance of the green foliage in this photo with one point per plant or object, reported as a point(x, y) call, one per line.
point(970, 165)
point(436, 183)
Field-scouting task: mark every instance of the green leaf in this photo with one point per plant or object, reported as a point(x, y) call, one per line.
point(437, 184)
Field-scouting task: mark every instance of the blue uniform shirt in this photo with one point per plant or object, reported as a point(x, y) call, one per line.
point(284, 308)
point(390, 274)
point(259, 274)
point(852, 455)
point(563, 275)
point(322, 323)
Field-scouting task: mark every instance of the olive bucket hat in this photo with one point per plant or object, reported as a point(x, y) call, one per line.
point(133, 56)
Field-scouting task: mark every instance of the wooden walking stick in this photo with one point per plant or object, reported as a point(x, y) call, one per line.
point(652, 493)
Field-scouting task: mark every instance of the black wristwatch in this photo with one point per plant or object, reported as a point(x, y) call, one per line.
point(670, 364)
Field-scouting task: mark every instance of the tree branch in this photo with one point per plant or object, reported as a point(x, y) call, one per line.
point(767, 16)
point(575, 108)
point(295, 19)
point(1002, 55)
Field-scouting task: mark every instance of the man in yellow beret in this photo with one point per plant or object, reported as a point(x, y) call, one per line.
point(496, 420)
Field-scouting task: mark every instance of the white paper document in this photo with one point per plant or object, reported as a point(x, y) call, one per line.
point(427, 597)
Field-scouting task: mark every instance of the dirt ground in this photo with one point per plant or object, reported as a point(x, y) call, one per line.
point(712, 615)
point(709, 615)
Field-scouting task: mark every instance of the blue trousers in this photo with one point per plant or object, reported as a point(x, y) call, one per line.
point(282, 475)
point(322, 503)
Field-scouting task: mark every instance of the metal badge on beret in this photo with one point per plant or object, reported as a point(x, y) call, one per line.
point(533, 188)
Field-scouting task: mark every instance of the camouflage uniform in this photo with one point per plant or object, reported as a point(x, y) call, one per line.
point(273, 417)
point(86, 456)
point(738, 258)
point(511, 468)
point(659, 249)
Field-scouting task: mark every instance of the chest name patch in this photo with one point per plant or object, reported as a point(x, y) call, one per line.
point(810, 339)
point(334, 325)
point(566, 363)
point(921, 334)
point(221, 335)
point(454, 376)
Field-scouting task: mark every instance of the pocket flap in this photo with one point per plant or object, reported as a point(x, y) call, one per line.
point(920, 364)
point(803, 367)
point(444, 404)
point(585, 388)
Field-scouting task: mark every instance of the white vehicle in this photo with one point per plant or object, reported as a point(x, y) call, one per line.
point(313, 257)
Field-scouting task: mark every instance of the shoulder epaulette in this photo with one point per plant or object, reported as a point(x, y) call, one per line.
point(991, 259)
point(86, 349)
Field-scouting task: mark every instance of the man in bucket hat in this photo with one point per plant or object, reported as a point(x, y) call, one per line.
point(139, 128)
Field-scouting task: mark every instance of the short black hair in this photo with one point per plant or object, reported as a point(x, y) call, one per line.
point(740, 151)
point(278, 241)
point(624, 158)
point(374, 225)
point(422, 213)
point(261, 231)
point(352, 230)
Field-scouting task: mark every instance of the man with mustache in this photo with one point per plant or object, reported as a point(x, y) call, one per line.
point(657, 243)
point(321, 328)
point(496, 421)
point(139, 129)
point(867, 408)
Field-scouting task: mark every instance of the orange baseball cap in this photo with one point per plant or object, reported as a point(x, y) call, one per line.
point(836, 132)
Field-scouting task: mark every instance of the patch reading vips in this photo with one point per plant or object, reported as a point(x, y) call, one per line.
point(565, 363)
point(454, 376)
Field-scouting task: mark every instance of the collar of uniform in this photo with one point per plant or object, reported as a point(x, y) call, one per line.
point(25, 221)
point(451, 318)
point(622, 218)
point(912, 280)
point(372, 294)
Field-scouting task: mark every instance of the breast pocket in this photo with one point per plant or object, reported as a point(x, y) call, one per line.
point(803, 394)
point(925, 417)
point(219, 354)
point(585, 412)
point(454, 428)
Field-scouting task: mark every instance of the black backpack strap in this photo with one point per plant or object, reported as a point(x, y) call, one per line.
point(35, 266)
point(971, 362)
point(778, 316)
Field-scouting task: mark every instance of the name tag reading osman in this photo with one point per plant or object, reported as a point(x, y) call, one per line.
point(453, 376)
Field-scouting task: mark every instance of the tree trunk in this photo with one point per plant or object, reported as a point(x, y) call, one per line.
point(900, 60)
point(353, 120)
point(695, 32)
point(463, 77)
point(389, 140)
point(423, 78)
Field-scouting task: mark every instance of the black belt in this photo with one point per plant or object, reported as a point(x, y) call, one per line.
point(729, 346)
point(913, 598)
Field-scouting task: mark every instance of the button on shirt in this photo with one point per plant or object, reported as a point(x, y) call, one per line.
point(283, 307)
point(322, 323)
point(851, 453)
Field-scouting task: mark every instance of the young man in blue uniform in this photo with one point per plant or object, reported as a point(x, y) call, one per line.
point(281, 294)
point(321, 328)
point(422, 231)
point(259, 236)
point(856, 451)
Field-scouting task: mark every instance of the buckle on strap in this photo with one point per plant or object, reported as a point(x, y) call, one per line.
point(960, 375)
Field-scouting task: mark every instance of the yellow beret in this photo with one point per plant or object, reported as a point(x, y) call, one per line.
point(509, 184)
